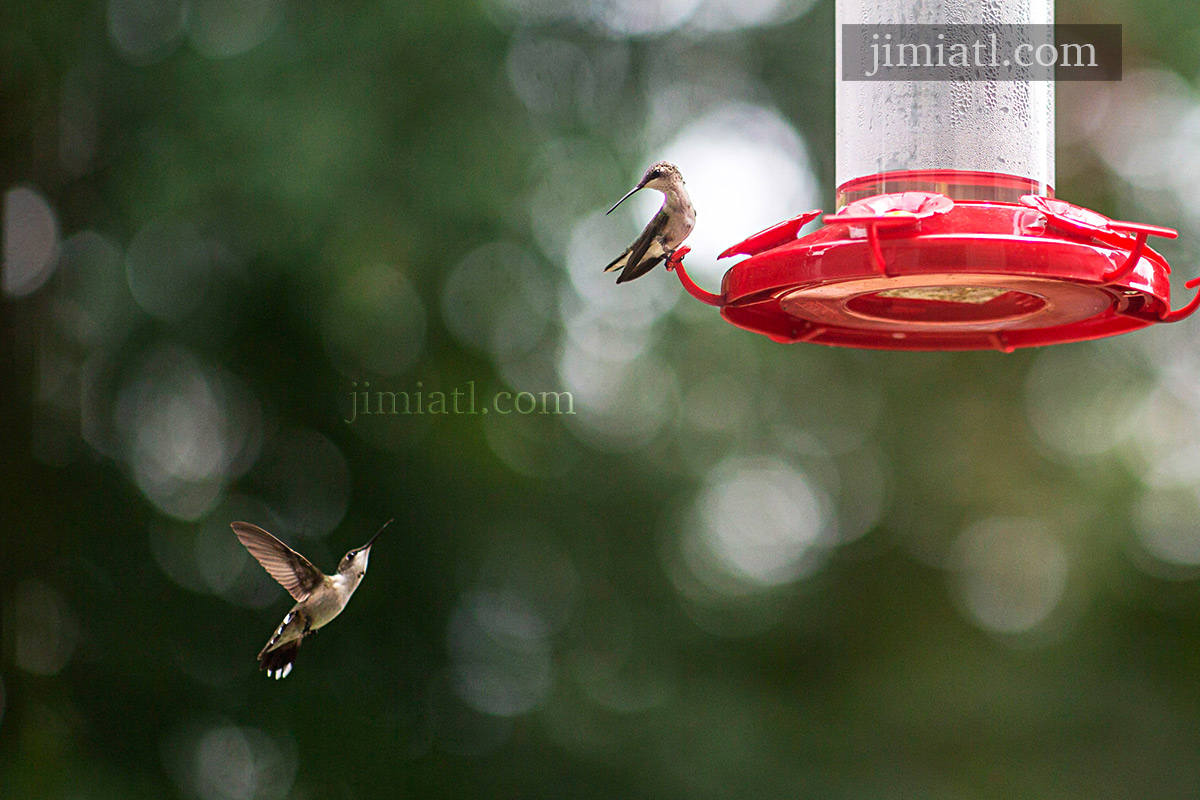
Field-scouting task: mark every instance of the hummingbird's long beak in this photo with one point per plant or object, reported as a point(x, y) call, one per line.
point(641, 185)
point(367, 546)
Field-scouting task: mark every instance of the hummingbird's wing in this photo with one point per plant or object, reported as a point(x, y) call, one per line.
point(292, 570)
point(635, 267)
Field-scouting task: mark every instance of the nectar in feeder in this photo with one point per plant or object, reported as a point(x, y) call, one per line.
point(947, 234)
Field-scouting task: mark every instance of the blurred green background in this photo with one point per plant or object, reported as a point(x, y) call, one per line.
point(739, 569)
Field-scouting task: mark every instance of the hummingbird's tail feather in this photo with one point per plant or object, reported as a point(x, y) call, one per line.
point(618, 262)
point(641, 269)
point(278, 662)
point(277, 658)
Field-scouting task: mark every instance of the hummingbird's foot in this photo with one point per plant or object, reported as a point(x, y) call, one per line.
point(676, 257)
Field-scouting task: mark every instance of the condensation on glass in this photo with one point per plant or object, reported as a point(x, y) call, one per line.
point(977, 140)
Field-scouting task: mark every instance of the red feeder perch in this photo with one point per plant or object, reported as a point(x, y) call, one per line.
point(949, 252)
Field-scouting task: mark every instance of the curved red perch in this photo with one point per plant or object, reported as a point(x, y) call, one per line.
point(675, 262)
point(1186, 311)
point(1135, 256)
point(1142, 232)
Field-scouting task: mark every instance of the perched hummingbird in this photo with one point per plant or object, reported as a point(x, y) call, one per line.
point(666, 231)
point(319, 597)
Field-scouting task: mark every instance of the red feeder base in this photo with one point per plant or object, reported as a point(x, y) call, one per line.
point(917, 271)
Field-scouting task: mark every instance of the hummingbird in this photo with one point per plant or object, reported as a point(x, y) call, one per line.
point(319, 597)
point(665, 232)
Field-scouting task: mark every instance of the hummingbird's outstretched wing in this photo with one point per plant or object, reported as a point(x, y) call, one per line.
point(647, 251)
point(292, 570)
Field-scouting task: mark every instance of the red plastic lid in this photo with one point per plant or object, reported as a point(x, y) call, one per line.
point(917, 271)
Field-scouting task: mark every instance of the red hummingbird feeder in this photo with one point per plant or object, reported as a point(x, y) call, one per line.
point(946, 239)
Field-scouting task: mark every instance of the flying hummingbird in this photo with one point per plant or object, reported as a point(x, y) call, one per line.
point(319, 597)
point(665, 232)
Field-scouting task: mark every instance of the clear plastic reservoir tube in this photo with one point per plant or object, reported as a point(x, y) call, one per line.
point(970, 140)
